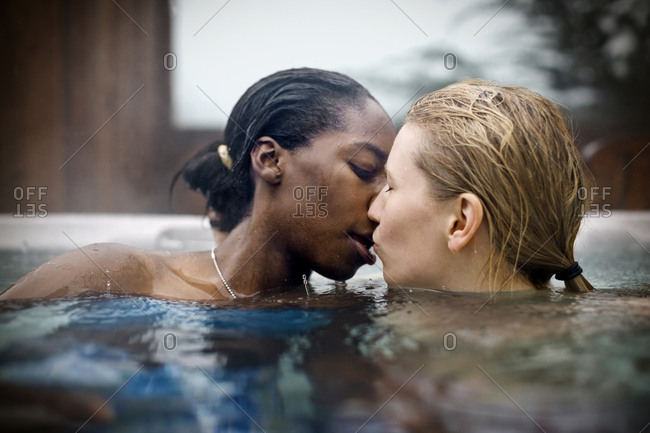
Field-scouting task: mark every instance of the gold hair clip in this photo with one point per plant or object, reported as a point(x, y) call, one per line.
point(222, 150)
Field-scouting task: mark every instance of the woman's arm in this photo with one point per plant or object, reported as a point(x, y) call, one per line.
point(108, 268)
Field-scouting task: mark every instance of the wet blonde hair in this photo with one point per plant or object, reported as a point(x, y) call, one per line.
point(512, 148)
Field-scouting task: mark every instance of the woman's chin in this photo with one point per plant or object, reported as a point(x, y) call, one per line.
point(400, 277)
point(392, 280)
point(341, 273)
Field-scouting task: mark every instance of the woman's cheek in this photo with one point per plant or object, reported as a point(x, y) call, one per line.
point(391, 230)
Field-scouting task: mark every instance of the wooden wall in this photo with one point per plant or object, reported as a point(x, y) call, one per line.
point(81, 77)
point(620, 165)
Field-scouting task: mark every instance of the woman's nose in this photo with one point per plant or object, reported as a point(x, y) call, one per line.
point(377, 205)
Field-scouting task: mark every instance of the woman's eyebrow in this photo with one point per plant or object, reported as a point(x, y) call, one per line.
point(381, 155)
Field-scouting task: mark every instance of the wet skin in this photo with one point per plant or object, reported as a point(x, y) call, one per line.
point(427, 242)
point(342, 171)
point(411, 236)
point(336, 178)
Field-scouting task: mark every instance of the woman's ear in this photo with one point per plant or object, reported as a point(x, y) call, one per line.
point(467, 216)
point(265, 159)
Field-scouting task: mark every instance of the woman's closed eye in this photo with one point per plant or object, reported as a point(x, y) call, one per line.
point(363, 174)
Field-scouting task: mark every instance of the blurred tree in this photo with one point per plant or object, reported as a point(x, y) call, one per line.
point(426, 68)
point(606, 47)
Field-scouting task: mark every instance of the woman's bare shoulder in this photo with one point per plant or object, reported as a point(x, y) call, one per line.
point(105, 267)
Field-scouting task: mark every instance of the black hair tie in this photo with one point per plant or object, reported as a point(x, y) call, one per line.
point(569, 273)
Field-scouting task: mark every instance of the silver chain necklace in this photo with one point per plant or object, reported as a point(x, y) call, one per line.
point(214, 260)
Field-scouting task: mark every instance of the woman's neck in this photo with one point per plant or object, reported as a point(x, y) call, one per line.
point(469, 271)
point(254, 260)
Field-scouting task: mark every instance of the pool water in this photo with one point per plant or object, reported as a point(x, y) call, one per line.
point(344, 359)
point(336, 357)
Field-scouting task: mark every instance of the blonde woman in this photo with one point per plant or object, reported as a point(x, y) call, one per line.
point(483, 193)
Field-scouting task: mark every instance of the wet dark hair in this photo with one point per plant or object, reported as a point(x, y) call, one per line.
point(292, 107)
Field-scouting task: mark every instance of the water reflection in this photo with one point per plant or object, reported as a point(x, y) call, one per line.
point(342, 359)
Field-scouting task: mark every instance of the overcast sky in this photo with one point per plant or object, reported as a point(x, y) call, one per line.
point(222, 47)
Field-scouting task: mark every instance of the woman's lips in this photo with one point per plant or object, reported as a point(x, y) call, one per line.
point(377, 250)
point(363, 245)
